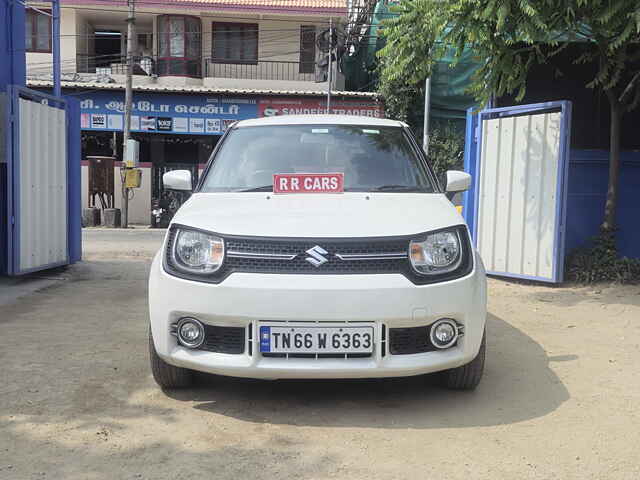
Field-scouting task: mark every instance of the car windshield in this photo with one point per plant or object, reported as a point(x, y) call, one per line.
point(372, 158)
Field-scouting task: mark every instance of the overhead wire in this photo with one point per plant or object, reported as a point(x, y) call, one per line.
point(262, 42)
point(202, 15)
point(189, 32)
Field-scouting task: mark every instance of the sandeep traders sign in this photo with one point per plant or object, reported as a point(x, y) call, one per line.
point(268, 107)
point(161, 113)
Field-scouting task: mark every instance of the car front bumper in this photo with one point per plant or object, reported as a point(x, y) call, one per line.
point(245, 300)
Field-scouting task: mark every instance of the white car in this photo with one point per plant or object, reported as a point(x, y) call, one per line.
point(317, 246)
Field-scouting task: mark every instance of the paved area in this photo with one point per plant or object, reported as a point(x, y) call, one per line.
point(14, 288)
point(560, 398)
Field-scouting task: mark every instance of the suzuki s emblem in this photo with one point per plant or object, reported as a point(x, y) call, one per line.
point(316, 256)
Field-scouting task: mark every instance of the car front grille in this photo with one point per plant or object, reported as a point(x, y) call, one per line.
point(405, 341)
point(224, 339)
point(290, 256)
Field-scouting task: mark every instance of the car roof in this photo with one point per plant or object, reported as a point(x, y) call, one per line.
point(319, 120)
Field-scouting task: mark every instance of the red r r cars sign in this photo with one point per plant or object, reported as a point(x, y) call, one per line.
point(308, 183)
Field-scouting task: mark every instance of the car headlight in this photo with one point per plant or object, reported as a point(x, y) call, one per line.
point(197, 252)
point(439, 252)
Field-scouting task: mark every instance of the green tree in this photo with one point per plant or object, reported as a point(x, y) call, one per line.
point(514, 35)
point(446, 148)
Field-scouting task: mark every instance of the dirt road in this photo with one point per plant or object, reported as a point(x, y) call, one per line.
point(560, 398)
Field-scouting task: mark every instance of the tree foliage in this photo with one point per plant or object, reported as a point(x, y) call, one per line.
point(446, 148)
point(512, 36)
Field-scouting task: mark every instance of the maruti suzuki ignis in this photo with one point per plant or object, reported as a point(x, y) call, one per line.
point(318, 246)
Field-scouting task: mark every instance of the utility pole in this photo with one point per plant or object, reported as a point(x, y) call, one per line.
point(330, 73)
point(427, 108)
point(128, 102)
point(55, 46)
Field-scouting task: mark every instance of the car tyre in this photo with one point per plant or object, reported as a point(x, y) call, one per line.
point(165, 375)
point(467, 377)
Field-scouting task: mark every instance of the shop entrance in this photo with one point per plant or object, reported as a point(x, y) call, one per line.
point(173, 152)
point(159, 153)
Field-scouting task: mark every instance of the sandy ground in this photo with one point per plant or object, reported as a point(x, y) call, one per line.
point(560, 398)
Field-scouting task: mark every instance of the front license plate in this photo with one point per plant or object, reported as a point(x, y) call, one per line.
point(316, 339)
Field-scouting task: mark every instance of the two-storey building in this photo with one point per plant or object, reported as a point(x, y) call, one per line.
point(199, 65)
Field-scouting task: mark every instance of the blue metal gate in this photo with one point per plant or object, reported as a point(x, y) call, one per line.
point(516, 209)
point(42, 181)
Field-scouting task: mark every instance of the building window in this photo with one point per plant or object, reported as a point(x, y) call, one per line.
point(307, 49)
point(235, 43)
point(179, 45)
point(38, 32)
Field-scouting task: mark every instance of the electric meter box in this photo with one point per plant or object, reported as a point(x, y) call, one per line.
point(132, 153)
point(133, 178)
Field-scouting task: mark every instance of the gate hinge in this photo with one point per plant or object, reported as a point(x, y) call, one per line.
point(13, 220)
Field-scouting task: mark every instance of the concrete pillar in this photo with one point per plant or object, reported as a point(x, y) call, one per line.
point(90, 217)
point(112, 217)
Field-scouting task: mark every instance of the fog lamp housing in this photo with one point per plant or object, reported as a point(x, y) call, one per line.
point(190, 332)
point(444, 333)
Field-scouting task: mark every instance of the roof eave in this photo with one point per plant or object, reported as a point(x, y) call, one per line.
point(197, 89)
point(220, 8)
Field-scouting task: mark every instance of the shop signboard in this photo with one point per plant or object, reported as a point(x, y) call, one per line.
point(268, 107)
point(165, 113)
point(165, 124)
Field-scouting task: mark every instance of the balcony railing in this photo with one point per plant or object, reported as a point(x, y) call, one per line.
point(114, 64)
point(215, 68)
point(142, 65)
point(260, 70)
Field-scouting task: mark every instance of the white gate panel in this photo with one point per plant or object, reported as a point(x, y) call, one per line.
point(517, 199)
point(42, 185)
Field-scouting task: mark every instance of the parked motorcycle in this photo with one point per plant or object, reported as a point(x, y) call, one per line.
point(164, 208)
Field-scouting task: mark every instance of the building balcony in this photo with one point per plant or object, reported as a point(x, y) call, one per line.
point(207, 71)
point(260, 70)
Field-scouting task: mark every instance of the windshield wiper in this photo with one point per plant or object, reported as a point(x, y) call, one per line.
point(397, 188)
point(264, 188)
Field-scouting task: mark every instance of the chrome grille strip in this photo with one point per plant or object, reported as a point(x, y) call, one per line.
point(341, 256)
point(371, 256)
point(268, 256)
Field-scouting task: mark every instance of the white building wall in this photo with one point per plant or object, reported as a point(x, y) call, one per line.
point(41, 64)
point(85, 44)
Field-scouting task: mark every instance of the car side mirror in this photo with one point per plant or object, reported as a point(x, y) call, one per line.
point(177, 180)
point(458, 181)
